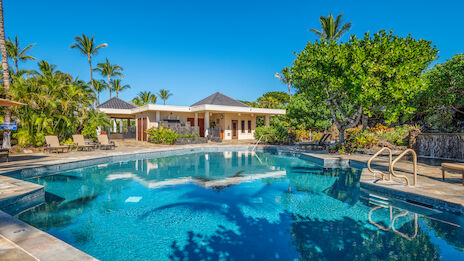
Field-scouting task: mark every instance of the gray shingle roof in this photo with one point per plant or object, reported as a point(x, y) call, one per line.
point(116, 103)
point(220, 99)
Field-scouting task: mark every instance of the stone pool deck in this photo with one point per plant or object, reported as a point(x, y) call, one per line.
point(19, 241)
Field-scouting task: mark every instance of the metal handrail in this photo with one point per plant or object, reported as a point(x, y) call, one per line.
point(256, 144)
point(402, 234)
point(389, 163)
point(377, 224)
point(414, 166)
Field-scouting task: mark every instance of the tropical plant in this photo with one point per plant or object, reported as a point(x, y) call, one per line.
point(331, 29)
point(94, 120)
point(99, 86)
point(87, 47)
point(6, 77)
point(118, 87)
point(144, 98)
point(15, 52)
point(57, 104)
point(361, 76)
point(162, 135)
point(164, 95)
point(285, 77)
point(109, 70)
point(275, 134)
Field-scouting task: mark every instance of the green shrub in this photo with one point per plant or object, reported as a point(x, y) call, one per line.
point(162, 135)
point(275, 134)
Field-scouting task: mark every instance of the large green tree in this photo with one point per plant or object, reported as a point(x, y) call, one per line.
point(87, 46)
point(303, 113)
point(442, 102)
point(16, 53)
point(109, 70)
point(331, 29)
point(360, 76)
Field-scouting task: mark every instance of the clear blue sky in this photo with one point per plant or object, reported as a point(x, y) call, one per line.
point(195, 48)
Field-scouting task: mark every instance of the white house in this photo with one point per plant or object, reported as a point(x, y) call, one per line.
point(217, 115)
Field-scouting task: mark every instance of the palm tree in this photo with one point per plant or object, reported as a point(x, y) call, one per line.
point(87, 47)
point(15, 52)
point(285, 77)
point(331, 29)
point(164, 94)
point(118, 87)
point(99, 87)
point(107, 69)
point(6, 78)
point(144, 98)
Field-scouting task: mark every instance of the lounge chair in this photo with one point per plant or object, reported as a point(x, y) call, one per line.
point(453, 167)
point(6, 153)
point(79, 143)
point(53, 144)
point(104, 143)
point(321, 143)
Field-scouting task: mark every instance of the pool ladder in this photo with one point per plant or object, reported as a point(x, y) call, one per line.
point(391, 164)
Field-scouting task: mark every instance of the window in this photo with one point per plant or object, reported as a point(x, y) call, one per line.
point(249, 126)
point(243, 126)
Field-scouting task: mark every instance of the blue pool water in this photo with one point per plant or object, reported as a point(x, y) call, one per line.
point(236, 206)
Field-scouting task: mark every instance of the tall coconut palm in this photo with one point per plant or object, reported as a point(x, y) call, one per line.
point(285, 77)
point(164, 94)
point(88, 47)
point(6, 78)
point(15, 52)
point(99, 87)
point(331, 29)
point(109, 70)
point(118, 87)
point(144, 98)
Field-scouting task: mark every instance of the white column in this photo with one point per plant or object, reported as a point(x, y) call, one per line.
point(158, 117)
point(267, 120)
point(114, 125)
point(120, 126)
point(206, 123)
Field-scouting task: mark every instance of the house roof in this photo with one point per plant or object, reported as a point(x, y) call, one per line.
point(220, 99)
point(115, 103)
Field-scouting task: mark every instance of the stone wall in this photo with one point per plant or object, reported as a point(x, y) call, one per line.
point(440, 145)
point(181, 128)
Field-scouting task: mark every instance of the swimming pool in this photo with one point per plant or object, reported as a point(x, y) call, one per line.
point(236, 205)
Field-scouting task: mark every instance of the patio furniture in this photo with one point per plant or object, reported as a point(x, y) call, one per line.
point(5, 153)
point(53, 144)
point(453, 167)
point(79, 143)
point(321, 143)
point(104, 143)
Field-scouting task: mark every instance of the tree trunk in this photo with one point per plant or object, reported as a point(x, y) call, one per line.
point(6, 78)
point(364, 121)
point(109, 84)
point(289, 91)
point(91, 78)
point(341, 135)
